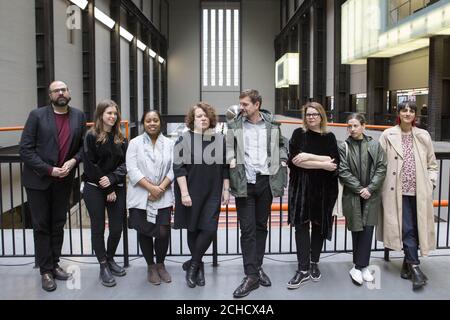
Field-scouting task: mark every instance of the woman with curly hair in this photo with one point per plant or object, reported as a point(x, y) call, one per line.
point(202, 183)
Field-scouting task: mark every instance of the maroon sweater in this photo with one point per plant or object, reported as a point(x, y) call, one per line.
point(63, 129)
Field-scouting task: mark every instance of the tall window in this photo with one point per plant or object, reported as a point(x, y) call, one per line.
point(220, 46)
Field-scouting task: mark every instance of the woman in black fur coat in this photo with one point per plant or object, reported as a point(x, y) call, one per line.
point(313, 190)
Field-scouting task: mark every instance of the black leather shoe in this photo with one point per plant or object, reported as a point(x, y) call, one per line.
point(417, 276)
point(186, 265)
point(191, 274)
point(404, 273)
point(263, 278)
point(201, 275)
point(60, 274)
point(249, 284)
point(315, 272)
point(48, 283)
point(106, 277)
point(115, 269)
point(298, 279)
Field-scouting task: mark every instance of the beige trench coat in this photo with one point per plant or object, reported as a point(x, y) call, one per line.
point(390, 223)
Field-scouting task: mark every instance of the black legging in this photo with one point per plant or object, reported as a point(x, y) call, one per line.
point(95, 200)
point(160, 246)
point(198, 242)
point(308, 246)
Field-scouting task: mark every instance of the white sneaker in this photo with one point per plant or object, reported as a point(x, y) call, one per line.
point(367, 275)
point(356, 276)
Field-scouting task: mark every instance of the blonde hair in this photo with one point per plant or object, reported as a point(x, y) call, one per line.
point(319, 108)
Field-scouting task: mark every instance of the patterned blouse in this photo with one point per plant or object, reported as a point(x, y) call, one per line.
point(409, 166)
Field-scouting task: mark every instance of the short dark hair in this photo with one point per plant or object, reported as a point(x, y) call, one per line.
point(210, 113)
point(253, 95)
point(147, 112)
point(411, 104)
point(357, 116)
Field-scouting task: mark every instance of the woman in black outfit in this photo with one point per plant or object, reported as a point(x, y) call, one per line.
point(202, 183)
point(313, 190)
point(104, 176)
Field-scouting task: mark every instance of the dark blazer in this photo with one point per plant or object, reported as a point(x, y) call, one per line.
point(39, 146)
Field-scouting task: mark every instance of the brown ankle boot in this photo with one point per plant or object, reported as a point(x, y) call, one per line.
point(162, 272)
point(152, 275)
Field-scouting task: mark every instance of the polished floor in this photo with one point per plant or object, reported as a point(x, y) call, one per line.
point(22, 281)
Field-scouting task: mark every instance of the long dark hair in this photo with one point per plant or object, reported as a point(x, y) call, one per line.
point(98, 128)
point(412, 105)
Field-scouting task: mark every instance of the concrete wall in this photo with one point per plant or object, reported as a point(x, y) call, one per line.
point(102, 55)
point(68, 56)
point(260, 24)
point(183, 56)
point(311, 53)
point(18, 93)
point(151, 83)
point(330, 48)
point(125, 79)
point(358, 79)
point(409, 71)
point(140, 85)
point(156, 20)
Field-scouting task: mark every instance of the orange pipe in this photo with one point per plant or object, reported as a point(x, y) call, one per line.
point(285, 207)
point(339, 125)
point(89, 124)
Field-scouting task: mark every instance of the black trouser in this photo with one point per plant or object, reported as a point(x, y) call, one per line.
point(410, 234)
point(253, 213)
point(95, 200)
point(48, 214)
point(362, 244)
point(309, 246)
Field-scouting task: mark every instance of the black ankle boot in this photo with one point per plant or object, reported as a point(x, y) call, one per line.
point(404, 273)
point(106, 276)
point(191, 274)
point(186, 265)
point(115, 269)
point(201, 275)
point(417, 277)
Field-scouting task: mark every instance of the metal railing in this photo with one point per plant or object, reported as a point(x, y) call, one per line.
point(16, 237)
point(406, 9)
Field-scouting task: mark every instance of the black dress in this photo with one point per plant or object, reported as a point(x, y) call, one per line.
point(313, 192)
point(204, 180)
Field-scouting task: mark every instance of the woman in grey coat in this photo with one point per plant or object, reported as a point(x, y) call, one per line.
point(362, 170)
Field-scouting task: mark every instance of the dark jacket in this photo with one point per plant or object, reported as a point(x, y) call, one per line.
point(276, 151)
point(313, 192)
point(104, 159)
point(350, 171)
point(39, 146)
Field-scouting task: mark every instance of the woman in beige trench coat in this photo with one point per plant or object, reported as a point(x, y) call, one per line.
point(407, 220)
